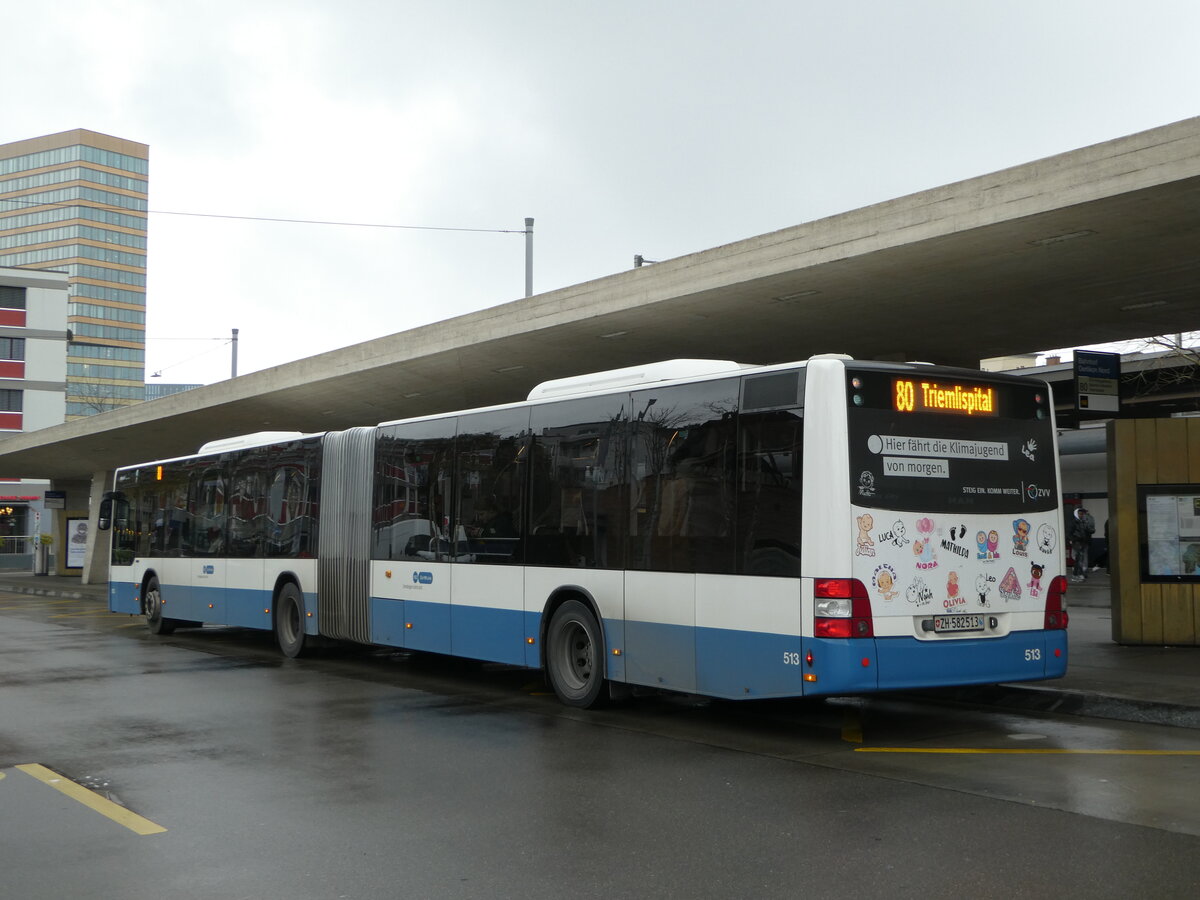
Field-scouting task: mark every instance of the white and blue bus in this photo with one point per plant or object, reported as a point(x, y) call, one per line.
point(824, 527)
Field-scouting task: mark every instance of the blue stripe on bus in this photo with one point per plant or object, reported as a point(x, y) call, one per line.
point(747, 664)
point(480, 632)
point(495, 635)
point(125, 597)
point(247, 607)
point(387, 622)
point(475, 632)
point(660, 655)
point(430, 629)
point(238, 607)
point(718, 662)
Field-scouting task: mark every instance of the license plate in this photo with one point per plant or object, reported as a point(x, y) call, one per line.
point(957, 623)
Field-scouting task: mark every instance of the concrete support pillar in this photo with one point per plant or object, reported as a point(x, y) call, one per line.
point(81, 551)
point(99, 545)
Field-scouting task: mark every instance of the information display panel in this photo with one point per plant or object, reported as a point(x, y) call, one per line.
point(1169, 532)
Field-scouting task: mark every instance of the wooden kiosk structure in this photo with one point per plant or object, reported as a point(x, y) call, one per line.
point(1154, 530)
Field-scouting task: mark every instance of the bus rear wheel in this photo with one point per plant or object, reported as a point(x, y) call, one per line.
point(575, 656)
point(152, 606)
point(289, 621)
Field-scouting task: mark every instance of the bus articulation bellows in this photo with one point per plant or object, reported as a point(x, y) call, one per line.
point(824, 527)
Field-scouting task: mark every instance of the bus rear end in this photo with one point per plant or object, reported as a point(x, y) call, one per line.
point(948, 567)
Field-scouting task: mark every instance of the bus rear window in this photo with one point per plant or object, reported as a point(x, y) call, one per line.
point(933, 441)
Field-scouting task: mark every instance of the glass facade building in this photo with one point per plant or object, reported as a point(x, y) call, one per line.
point(75, 202)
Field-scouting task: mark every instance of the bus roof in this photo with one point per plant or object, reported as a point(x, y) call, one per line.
point(665, 370)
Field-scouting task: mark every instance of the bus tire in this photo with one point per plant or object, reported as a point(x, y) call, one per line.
point(575, 656)
point(152, 606)
point(289, 621)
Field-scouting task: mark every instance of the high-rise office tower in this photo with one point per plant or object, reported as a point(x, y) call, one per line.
point(75, 202)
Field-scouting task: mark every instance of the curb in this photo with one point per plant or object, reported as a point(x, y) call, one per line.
point(1063, 701)
point(50, 591)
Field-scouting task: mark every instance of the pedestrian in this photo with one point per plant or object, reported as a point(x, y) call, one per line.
point(1080, 536)
point(1103, 558)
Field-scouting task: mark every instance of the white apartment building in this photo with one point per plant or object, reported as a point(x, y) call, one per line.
point(33, 385)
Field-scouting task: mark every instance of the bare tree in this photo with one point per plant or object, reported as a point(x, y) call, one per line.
point(95, 395)
point(1170, 365)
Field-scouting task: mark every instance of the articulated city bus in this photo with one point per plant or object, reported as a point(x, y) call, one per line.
point(823, 527)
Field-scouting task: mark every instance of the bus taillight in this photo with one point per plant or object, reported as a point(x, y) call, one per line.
point(1056, 609)
point(842, 609)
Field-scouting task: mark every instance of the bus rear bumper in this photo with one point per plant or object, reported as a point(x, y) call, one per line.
point(865, 665)
point(906, 663)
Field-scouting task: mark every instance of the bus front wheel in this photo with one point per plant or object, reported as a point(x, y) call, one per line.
point(289, 621)
point(575, 655)
point(152, 606)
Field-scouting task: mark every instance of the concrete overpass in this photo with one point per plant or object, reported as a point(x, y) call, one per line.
point(1092, 245)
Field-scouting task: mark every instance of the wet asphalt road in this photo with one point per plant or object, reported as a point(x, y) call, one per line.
point(373, 774)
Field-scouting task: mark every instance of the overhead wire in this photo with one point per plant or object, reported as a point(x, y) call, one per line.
point(166, 212)
point(158, 372)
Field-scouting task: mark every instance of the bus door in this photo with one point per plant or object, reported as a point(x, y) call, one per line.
point(756, 616)
point(488, 588)
point(682, 535)
point(247, 598)
point(206, 497)
point(410, 594)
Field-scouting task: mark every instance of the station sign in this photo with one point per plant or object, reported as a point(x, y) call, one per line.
point(1097, 382)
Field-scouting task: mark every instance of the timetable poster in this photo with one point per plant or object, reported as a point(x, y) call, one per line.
point(1173, 534)
point(77, 535)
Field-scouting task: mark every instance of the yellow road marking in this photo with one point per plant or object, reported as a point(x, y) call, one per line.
point(852, 727)
point(92, 800)
point(1027, 751)
point(23, 602)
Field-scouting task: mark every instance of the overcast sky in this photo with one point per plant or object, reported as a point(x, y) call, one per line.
point(660, 128)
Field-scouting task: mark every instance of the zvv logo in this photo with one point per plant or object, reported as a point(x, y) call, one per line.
point(1033, 492)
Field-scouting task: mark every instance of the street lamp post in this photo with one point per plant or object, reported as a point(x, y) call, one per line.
point(528, 257)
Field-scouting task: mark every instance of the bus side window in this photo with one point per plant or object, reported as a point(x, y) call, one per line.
point(491, 452)
point(411, 517)
point(172, 520)
point(292, 499)
point(576, 482)
point(389, 502)
point(412, 478)
point(681, 452)
point(770, 452)
point(207, 496)
point(143, 514)
point(247, 504)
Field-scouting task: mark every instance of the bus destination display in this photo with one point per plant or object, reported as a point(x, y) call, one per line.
point(918, 395)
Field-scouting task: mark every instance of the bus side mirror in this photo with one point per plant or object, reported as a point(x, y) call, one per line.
point(112, 506)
